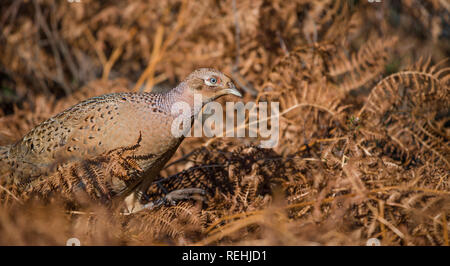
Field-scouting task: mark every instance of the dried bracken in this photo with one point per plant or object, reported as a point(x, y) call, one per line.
point(364, 120)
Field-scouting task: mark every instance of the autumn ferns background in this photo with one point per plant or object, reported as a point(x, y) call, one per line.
point(364, 118)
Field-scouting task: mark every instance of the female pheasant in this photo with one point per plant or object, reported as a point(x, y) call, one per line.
point(77, 144)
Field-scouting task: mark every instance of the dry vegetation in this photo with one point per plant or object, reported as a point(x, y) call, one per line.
point(364, 117)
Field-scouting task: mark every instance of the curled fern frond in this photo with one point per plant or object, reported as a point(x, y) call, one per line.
point(412, 109)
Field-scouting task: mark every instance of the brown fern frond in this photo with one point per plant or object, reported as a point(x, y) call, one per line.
point(325, 20)
point(412, 108)
point(362, 67)
point(173, 222)
point(309, 99)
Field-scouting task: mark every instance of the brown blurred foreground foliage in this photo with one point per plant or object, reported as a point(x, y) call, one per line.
point(364, 117)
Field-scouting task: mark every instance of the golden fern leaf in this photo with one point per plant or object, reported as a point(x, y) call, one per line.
point(412, 109)
point(363, 66)
point(166, 223)
point(325, 20)
point(310, 102)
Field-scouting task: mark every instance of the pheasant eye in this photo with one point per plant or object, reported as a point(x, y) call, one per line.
point(213, 80)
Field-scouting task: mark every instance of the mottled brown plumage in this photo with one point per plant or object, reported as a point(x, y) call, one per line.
point(133, 126)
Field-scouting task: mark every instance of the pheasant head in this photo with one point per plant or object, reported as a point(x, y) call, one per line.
point(209, 83)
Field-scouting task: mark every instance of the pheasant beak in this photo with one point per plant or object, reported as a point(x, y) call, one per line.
point(231, 90)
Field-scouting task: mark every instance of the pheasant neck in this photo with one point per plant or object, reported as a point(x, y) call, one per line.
point(182, 93)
